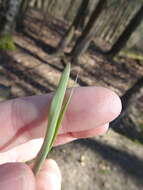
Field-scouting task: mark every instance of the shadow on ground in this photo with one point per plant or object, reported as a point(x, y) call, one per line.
point(15, 69)
point(130, 130)
point(129, 163)
point(57, 67)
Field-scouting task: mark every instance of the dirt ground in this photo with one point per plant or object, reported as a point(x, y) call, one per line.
point(110, 162)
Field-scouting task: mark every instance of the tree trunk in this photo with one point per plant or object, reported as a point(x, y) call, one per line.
point(88, 33)
point(131, 94)
point(74, 26)
point(22, 11)
point(112, 16)
point(121, 24)
point(129, 97)
point(116, 21)
point(122, 40)
point(7, 23)
point(8, 17)
point(130, 121)
point(69, 10)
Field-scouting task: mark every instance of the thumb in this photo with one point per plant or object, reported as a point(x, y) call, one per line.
point(16, 176)
point(49, 177)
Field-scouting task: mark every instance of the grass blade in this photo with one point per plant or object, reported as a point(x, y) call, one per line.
point(55, 117)
point(62, 113)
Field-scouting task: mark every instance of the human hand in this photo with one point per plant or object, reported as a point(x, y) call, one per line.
point(24, 119)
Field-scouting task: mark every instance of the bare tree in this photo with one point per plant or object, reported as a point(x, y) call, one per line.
point(129, 97)
point(21, 14)
point(7, 22)
point(122, 40)
point(127, 123)
point(88, 33)
point(74, 26)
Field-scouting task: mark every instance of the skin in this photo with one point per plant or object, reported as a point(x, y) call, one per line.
point(23, 121)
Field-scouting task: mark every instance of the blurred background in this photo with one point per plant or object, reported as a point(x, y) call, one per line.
point(103, 40)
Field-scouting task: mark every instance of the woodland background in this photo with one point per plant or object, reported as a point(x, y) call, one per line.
point(103, 40)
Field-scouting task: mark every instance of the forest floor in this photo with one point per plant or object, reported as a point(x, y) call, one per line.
point(110, 162)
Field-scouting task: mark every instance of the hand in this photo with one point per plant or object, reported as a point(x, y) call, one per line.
point(23, 120)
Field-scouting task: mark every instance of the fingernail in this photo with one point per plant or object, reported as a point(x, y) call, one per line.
point(16, 176)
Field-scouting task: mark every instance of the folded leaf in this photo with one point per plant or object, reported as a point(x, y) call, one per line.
point(55, 117)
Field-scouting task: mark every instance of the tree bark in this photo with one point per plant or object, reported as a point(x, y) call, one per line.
point(70, 7)
point(22, 11)
point(122, 22)
point(7, 22)
point(128, 98)
point(8, 17)
point(74, 26)
point(131, 93)
point(130, 121)
point(122, 40)
point(116, 20)
point(112, 16)
point(88, 33)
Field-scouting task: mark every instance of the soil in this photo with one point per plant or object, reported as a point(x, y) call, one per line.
point(112, 161)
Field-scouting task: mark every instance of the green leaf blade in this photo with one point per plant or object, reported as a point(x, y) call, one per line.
point(62, 113)
point(53, 120)
point(57, 102)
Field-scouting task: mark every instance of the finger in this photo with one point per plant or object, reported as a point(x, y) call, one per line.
point(49, 177)
point(65, 138)
point(25, 118)
point(23, 153)
point(16, 176)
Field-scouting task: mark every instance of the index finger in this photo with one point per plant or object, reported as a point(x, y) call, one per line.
point(24, 119)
